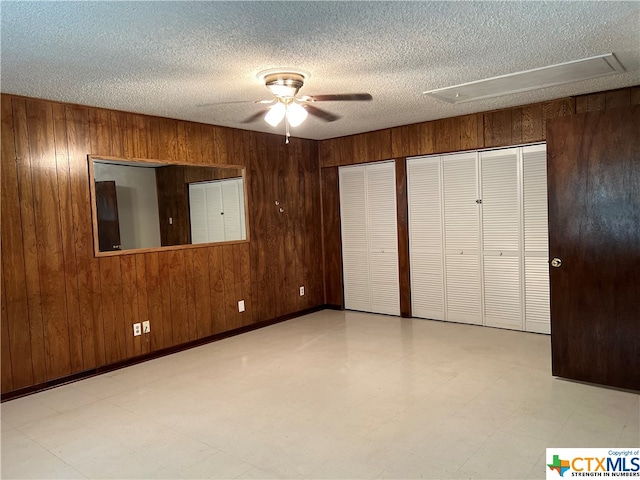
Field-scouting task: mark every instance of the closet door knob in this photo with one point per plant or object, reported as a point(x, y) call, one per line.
point(556, 262)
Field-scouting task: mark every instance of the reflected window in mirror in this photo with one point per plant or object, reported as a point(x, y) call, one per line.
point(139, 204)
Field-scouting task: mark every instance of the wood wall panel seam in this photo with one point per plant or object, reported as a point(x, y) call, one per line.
point(68, 238)
point(13, 257)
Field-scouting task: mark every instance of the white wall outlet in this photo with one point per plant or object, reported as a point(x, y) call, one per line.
point(146, 326)
point(137, 329)
point(302, 291)
point(241, 305)
point(170, 220)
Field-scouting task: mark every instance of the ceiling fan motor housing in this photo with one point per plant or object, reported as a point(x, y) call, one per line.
point(284, 84)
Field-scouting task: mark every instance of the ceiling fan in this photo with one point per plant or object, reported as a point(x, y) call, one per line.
point(285, 84)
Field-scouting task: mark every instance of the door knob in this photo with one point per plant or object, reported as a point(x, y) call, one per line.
point(556, 262)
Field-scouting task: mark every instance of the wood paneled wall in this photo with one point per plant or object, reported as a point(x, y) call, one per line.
point(65, 311)
point(500, 128)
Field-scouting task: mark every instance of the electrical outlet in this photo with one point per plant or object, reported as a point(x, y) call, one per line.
point(302, 291)
point(241, 305)
point(146, 326)
point(137, 329)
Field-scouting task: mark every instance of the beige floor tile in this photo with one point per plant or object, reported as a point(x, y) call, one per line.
point(330, 395)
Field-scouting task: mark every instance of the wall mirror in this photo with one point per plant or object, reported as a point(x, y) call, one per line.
point(154, 205)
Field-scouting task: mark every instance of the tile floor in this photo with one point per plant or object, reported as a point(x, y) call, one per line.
point(329, 395)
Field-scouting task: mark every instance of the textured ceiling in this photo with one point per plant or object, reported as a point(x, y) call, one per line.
point(170, 58)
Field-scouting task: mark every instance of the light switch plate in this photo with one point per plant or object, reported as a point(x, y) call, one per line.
point(146, 326)
point(241, 305)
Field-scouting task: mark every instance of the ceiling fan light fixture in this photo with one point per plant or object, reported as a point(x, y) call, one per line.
point(296, 114)
point(283, 83)
point(275, 114)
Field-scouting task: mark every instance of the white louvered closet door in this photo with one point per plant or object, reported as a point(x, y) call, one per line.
point(198, 213)
point(355, 238)
point(383, 238)
point(501, 234)
point(461, 233)
point(425, 238)
point(536, 240)
point(215, 218)
point(232, 209)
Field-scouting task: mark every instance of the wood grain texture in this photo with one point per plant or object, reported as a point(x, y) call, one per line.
point(237, 279)
point(113, 309)
point(217, 320)
point(447, 135)
point(471, 131)
point(130, 304)
point(332, 237)
point(498, 129)
point(48, 238)
point(590, 103)
point(594, 228)
point(29, 243)
point(65, 311)
point(556, 108)
point(142, 344)
point(67, 225)
point(403, 237)
point(52, 287)
point(6, 375)
point(173, 203)
point(17, 323)
point(87, 267)
point(179, 304)
point(413, 140)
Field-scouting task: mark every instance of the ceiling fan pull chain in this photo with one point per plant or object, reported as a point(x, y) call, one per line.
point(286, 131)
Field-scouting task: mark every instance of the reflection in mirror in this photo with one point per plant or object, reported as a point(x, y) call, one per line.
point(141, 205)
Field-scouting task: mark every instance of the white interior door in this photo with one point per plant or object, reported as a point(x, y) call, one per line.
point(369, 238)
point(536, 239)
point(355, 238)
point(215, 217)
point(461, 234)
point(383, 238)
point(501, 238)
point(198, 213)
point(425, 238)
point(233, 214)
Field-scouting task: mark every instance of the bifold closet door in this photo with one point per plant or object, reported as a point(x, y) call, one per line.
point(425, 238)
point(370, 238)
point(501, 234)
point(461, 236)
point(383, 238)
point(355, 239)
point(536, 240)
point(233, 208)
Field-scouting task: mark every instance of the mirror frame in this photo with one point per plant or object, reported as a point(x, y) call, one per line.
point(94, 213)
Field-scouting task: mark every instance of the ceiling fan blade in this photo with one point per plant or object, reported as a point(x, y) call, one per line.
point(342, 97)
point(236, 102)
point(323, 114)
point(254, 117)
